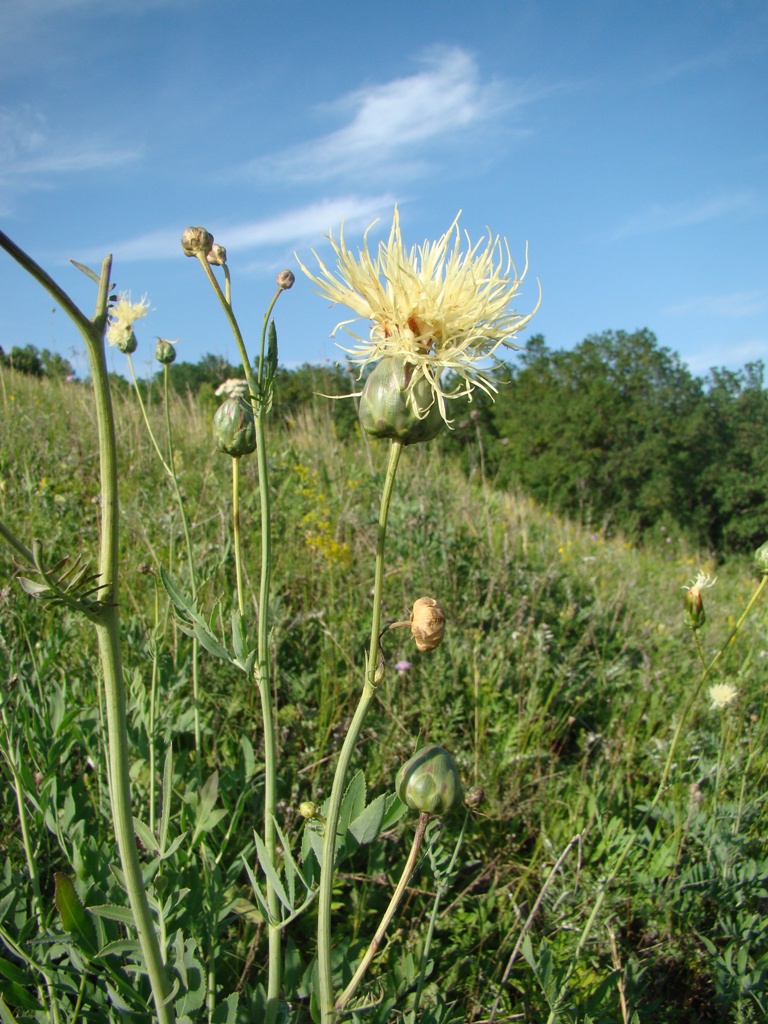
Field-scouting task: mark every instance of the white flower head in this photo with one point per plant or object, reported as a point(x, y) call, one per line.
point(702, 582)
point(435, 306)
point(233, 387)
point(722, 694)
point(123, 315)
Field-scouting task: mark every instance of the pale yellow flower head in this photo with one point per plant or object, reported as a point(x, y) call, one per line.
point(123, 315)
point(722, 694)
point(433, 305)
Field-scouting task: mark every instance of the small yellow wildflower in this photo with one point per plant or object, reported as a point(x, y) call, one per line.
point(434, 306)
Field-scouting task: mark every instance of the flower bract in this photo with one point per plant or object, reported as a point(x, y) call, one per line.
point(435, 306)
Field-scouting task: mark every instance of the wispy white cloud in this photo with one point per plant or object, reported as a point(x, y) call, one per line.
point(306, 224)
point(732, 52)
point(32, 156)
point(390, 126)
point(731, 305)
point(732, 354)
point(667, 216)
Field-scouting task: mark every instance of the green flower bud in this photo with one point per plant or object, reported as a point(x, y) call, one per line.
point(309, 810)
point(429, 781)
point(694, 615)
point(234, 428)
point(126, 342)
point(165, 353)
point(391, 407)
point(761, 557)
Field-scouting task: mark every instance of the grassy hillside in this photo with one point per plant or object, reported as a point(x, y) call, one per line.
point(565, 671)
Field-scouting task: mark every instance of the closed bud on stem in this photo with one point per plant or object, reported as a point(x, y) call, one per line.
point(286, 279)
point(475, 795)
point(165, 353)
point(217, 257)
point(308, 810)
point(390, 407)
point(694, 615)
point(429, 781)
point(196, 241)
point(234, 428)
point(761, 558)
point(693, 609)
point(427, 623)
point(126, 342)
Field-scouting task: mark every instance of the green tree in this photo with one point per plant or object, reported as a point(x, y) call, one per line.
point(734, 485)
point(604, 431)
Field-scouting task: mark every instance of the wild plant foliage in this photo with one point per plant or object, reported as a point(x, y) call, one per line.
point(252, 670)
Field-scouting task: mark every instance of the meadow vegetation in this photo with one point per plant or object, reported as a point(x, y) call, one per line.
point(601, 879)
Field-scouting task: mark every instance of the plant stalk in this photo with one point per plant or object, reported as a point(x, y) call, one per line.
point(389, 913)
point(107, 628)
point(372, 678)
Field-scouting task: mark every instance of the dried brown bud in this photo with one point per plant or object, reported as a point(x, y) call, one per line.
point(285, 279)
point(427, 623)
point(217, 257)
point(196, 241)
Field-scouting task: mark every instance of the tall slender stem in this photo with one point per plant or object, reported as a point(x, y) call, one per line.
point(191, 563)
point(238, 538)
point(372, 676)
point(262, 672)
point(107, 626)
point(389, 913)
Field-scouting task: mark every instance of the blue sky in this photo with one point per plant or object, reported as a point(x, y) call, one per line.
point(625, 142)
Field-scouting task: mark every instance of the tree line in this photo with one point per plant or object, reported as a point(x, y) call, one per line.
point(620, 434)
point(616, 432)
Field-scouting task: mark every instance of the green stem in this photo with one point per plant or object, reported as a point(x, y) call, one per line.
point(238, 540)
point(389, 913)
point(156, 635)
point(263, 666)
point(107, 629)
point(191, 562)
point(372, 677)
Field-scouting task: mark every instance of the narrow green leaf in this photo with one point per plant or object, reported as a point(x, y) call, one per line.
point(113, 912)
point(72, 912)
point(86, 270)
point(258, 896)
point(120, 947)
point(21, 997)
point(146, 836)
point(31, 587)
point(13, 972)
point(272, 876)
point(5, 1014)
point(165, 818)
